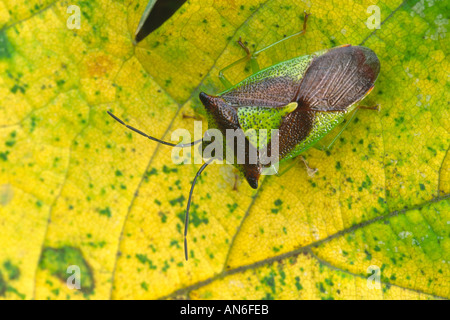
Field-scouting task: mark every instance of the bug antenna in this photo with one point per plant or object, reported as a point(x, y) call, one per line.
point(186, 222)
point(153, 138)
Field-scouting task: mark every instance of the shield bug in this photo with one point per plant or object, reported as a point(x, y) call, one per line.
point(303, 99)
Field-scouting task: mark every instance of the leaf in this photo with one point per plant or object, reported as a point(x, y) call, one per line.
point(77, 188)
point(253, 119)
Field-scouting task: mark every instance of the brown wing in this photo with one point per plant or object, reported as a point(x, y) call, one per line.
point(338, 79)
point(268, 92)
point(333, 82)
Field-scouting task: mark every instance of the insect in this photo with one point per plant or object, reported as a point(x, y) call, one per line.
point(303, 99)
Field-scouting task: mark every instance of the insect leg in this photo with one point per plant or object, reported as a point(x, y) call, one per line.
point(254, 56)
point(186, 222)
point(222, 78)
point(374, 108)
point(311, 171)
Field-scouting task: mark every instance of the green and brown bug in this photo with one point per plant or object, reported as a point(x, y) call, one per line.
point(303, 99)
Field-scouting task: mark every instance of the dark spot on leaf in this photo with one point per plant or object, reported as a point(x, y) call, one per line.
point(57, 261)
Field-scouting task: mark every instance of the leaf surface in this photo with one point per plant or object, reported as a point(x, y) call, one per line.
point(76, 188)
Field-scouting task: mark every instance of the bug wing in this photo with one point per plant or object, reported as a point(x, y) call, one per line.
point(253, 119)
point(272, 87)
point(338, 79)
